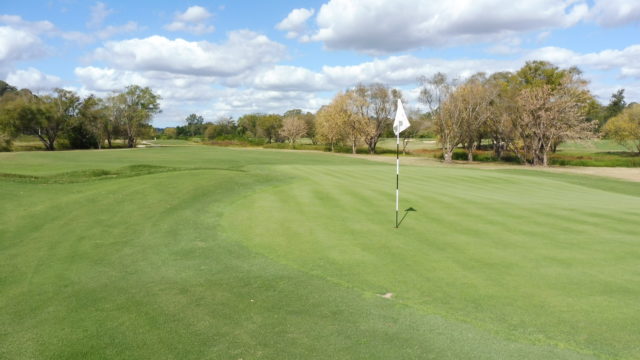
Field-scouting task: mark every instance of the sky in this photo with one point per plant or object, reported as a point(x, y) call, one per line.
point(233, 57)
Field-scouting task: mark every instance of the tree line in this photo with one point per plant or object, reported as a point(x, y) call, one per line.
point(84, 123)
point(524, 114)
point(527, 113)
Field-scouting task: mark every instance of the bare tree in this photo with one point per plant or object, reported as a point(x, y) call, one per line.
point(548, 116)
point(437, 93)
point(474, 98)
point(293, 128)
point(502, 106)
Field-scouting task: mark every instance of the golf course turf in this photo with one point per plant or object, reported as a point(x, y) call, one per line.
point(213, 253)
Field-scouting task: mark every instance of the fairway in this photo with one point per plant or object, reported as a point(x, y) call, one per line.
point(214, 253)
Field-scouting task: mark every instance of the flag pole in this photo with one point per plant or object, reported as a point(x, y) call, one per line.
point(399, 124)
point(397, 174)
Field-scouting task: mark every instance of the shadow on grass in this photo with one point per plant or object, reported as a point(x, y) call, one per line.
point(406, 212)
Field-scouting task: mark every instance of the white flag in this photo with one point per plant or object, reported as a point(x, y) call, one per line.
point(401, 122)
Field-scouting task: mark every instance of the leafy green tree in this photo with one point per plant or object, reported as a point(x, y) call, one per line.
point(87, 129)
point(10, 104)
point(616, 105)
point(169, 133)
point(194, 124)
point(625, 128)
point(47, 117)
point(140, 104)
point(268, 127)
point(224, 126)
point(248, 124)
point(6, 88)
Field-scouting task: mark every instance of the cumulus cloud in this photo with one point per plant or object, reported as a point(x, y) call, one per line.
point(379, 26)
point(33, 79)
point(295, 24)
point(99, 13)
point(625, 60)
point(193, 20)
point(612, 13)
point(16, 45)
point(243, 51)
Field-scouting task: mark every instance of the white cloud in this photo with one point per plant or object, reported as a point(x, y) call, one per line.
point(612, 13)
point(16, 45)
point(194, 14)
point(46, 28)
point(380, 26)
point(99, 13)
point(33, 79)
point(244, 50)
point(111, 30)
point(508, 46)
point(296, 22)
point(625, 61)
point(290, 78)
point(33, 27)
point(193, 20)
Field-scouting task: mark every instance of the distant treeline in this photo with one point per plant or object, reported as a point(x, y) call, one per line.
point(524, 114)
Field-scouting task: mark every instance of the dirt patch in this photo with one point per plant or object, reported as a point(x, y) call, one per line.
point(629, 174)
point(386, 296)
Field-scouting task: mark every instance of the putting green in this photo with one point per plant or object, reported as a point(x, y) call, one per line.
point(200, 252)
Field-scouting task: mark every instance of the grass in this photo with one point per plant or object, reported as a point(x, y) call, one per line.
point(203, 252)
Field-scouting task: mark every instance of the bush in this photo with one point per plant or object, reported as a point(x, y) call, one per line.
point(79, 137)
point(6, 143)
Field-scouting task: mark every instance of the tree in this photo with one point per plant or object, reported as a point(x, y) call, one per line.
point(547, 117)
point(87, 130)
point(11, 102)
point(140, 104)
point(170, 133)
point(615, 106)
point(625, 128)
point(261, 125)
point(418, 123)
point(354, 123)
point(194, 124)
point(223, 126)
point(550, 108)
point(114, 118)
point(46, 117)
point(6, 88)
point(329, 125)
point(308, 119)
point(474, 100)
point(436, 93)
point(498, 126)
point(249, 124)
point(268, 126)
point(293, 128)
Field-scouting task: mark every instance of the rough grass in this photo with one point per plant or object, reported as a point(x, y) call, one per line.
point(179, 257)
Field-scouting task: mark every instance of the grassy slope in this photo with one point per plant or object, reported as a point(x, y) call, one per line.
point(137, 263)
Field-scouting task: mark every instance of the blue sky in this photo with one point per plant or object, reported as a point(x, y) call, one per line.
point(228, 58)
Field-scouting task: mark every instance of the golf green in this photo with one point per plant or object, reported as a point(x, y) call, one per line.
point(214, 253)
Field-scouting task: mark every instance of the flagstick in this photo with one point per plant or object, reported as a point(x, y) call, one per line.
point(397, 175)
